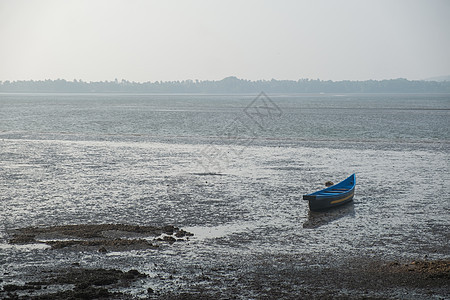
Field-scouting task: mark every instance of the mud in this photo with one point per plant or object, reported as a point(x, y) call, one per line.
point(288, 278)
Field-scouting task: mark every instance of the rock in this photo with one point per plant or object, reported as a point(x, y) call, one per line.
point(133, 274)
point(169, 229)
point(182, 233)
point(102, 250)
point(169, 239)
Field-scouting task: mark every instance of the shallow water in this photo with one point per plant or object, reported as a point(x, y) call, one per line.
point(183, 160)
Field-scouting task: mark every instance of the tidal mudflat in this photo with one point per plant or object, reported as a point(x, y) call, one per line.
point(155, 194)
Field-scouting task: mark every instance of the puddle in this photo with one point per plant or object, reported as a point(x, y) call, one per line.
point(27, 247)
point(202, 233)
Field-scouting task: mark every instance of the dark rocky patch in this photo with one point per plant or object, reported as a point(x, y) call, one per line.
point(115, 244)
point(14, 287)
point(28, 234)
point(100, 237)
point(94, 277)
point(425, 268)
point(208, 174)
point(88, 284)
point(24, 238)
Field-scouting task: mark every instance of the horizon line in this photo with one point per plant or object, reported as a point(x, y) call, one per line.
point(229, 77)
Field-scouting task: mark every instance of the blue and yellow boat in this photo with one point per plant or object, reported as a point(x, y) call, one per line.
point(332, 196)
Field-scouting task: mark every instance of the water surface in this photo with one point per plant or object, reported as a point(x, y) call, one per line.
point(202, 163)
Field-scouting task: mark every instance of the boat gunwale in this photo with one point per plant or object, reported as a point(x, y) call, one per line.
point(324, 196)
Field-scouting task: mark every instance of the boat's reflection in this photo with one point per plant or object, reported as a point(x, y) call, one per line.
point(317, 219)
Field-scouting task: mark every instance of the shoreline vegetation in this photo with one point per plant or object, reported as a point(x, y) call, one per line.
point(227, 85)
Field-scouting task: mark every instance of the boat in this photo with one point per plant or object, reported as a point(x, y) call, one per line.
point(332, 196)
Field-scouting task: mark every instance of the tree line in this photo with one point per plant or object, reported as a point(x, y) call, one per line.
point(226, 85)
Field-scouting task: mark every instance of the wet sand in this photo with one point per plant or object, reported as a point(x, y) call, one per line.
point(259, 276)
point(254, 238)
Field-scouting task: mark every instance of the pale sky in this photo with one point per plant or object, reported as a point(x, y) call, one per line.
point(148, 40)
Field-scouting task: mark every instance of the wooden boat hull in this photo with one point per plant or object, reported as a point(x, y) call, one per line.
point(332, 196)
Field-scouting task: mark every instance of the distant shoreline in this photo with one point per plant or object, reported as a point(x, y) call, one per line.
point(229, 85)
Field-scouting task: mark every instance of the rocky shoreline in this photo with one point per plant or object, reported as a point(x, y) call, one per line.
point(103, 237)
point(260, 277)
point(85, 283)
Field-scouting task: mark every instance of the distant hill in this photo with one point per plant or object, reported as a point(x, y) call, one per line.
point(227, 85)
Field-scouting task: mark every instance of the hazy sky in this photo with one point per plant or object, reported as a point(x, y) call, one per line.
point(174, 40)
